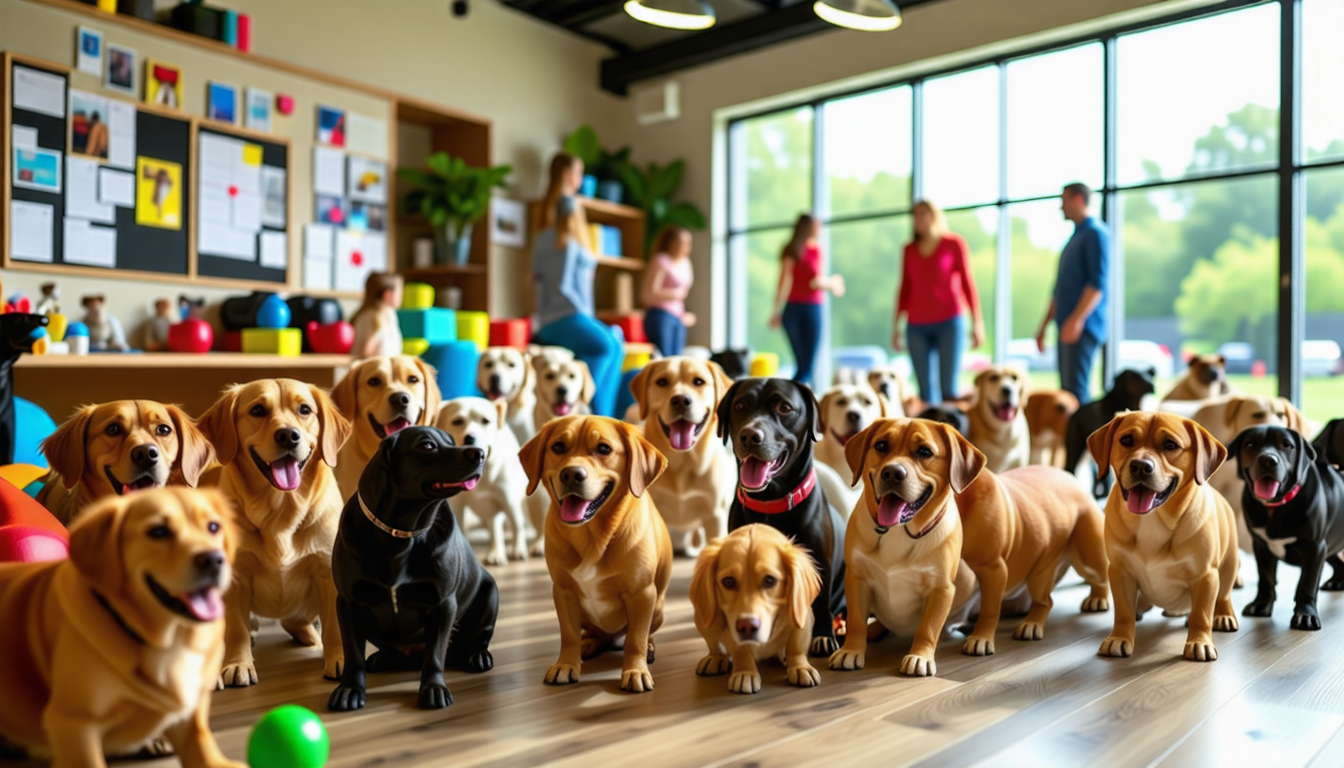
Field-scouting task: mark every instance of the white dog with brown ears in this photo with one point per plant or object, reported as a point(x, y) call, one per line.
point(506, 375)
point(846, 410)
point(564, 387)
point(998, 421)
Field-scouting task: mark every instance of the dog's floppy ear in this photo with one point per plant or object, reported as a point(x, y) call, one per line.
point(965, 460)
point(1322, 442)
point(857, 448)
point(589, 386)
point(813, 411)
point(218, 426)
point(1209, 453)
point(345, 394)
point(722, 381)
point(882, 405)
point(1306, 456)
point(643, 462)
point(433, 398)
point(335, 427)
point(194, 452)
point(1099, 443)
point(825, 403)
point(1234, 447)
point(65, 448)
point(725, 409)
point(1230, 412)
point(95, 543)
point(533, 455)
point(639, 387)
point(501, 413)
point(529, 373)
point(979, 377)
point(1296, 420)
point(703, 592)
point(804, 583)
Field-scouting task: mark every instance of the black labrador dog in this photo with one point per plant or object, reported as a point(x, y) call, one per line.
point(406, 578)
point(1294, 506)
point(772, 424)
point(948, 414)
point(734, 362)
point(1329, 444)
point(16, 337)
point(1126, 395)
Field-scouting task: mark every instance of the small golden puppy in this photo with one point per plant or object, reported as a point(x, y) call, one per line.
point(607, 548)
point(114, 448)
point(1170, 537)
point(277, 440)
point(564, 388)
point(1048, 415)
point(381, 396)
point(753, 592)
point(998, 425)
point(121, 643)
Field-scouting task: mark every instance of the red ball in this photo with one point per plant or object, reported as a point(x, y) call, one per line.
point(27, 544)
point(334, 339)
point(191, 335)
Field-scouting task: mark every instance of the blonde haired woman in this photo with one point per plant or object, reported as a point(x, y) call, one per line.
point(936, 288)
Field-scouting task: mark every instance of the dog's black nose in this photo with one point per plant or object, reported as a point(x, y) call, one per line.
point(562, 393)
point(1142, 467)
point(1007, 389)
point(469, 440)
point(894, 473)
point(474, 455)
point(747, 627)
point(751, 436)
point(145, 455)
point(854, 417)
point(287, 437)
point(1269, 461)
point(495, 382)
point(400, 399)
point(681, 401)
point(209, 563)
point(571, 475)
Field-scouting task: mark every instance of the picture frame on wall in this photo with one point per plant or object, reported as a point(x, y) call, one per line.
point(89, 51)
point(330, 126)
point(257, 112)
point(221, 103)
point(163, 84)
point(508, 222)
point(120, 73)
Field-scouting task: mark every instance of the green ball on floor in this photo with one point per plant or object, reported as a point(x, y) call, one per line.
point(288, 737)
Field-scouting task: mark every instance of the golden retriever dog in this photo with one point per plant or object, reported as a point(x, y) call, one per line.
point(506, 375)
point(607, 548)
point(381, 396)
point(998, 425)
point(121, 643)
point(1048, 415)
point(678, 398)
point(1170, 537)
point(277, 440)
point(564, 388)
point(846, 410)
point(903, 543)
point(1205, 378)
point(753, 592)
point(888, 382)
point(115, 448)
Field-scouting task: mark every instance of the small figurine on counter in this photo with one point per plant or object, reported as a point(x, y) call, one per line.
point(50, 303)
point(377, 330)
point(105, 331)
point(156, 333)
point(191, 309)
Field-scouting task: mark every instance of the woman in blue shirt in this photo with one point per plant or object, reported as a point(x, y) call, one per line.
point(563, 266)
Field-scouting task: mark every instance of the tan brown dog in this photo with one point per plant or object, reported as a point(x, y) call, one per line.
point(277, 440)
point(1018, 528)
point(753, 592)
point(677, 399)
point(1170, 537)
point(1206, 378)
point(998, 425)
point(1048, 414)
point(888, 382)
point(607, 548)
point(114, 448)
point(564, 387)
point(122, 642)
point(381, 396)
point(903, 544)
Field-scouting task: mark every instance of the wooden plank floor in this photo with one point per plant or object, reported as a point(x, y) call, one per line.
point(1274, 697)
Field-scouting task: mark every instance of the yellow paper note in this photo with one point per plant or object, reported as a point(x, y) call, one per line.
point(158, 199)
point(252, 154)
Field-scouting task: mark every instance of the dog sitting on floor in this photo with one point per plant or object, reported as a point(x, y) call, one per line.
point(506, 374)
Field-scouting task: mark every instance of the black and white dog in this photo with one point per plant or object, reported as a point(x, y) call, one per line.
point(772, 424)
point(406, 578)
point(1294, 506)
point(1126, 395)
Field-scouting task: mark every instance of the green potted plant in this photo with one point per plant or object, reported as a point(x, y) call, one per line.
point(452, 196)
point(604, 171)
point(651, 190)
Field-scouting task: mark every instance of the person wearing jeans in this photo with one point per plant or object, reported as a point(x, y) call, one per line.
point(1079, 299)
point(803, 283)
point(936, 287)
point(667, 283)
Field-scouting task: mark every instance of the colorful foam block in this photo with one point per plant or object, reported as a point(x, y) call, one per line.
point(632, 327)
point(414, 347)
point(515, 332)
point(624, 397)
point(437, 324)
point(456, 366)
point(635, 360)
point(273, 341)
point(474, 326)
point(764, 364)
point(417, 296)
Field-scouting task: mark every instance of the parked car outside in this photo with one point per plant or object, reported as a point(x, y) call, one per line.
point(1240, 356)
point(1321, 357)
point(1140, 355)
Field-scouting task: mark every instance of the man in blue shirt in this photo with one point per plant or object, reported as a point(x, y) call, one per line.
point(1079, 301)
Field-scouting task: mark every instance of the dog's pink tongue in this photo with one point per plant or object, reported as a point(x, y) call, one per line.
point(470, 484)
point(681, 435)
point(205, 605)
point(891, 511)
point(754, 473)
point(1006, 412)
point(285, 473)
point(573, 508)
point(492, 396)
point(1141, 500)
point(394, 426)
point(561, 409)
point(1266, 489)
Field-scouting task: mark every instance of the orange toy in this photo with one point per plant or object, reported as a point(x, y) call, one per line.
point(28, 532)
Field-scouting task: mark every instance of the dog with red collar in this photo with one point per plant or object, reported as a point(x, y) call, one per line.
point(773, 425)
point(1294, 506)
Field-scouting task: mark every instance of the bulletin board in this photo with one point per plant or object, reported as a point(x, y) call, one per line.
point(223, 250)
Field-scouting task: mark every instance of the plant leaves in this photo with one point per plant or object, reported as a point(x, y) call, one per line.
point(584, 144)
point(685, 215)
point(664, 183)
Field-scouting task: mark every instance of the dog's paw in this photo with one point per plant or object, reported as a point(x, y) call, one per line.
point(434, 696)
point(1116, 647)
point(1305, 617)
point(822, 646)
point(1029, 630)
point(713, 665)
point(1226, 623)
point(592, 646)
point(481, 661)
point(538, 550)
point(239, 675)
point(519, 553)
point(978, 646)
point(744, 682)
point(1334, 584)
point(847, 660)
point(636, 681)
point(1200, 651)
point(1259, 609)
point(562, 674)
point(496, 557)
point(804, 676)
point(1096, 605)
point(347, 698)
point(918, 666)
point(333, 667)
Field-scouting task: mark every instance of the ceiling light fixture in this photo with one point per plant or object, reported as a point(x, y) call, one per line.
point(864, 15)
point(675, 14)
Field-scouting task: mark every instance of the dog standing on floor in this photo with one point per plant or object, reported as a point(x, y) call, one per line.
point(1170, 538)
point(607, 548)
point(998, 425)
point(846, 410)
point(115, 448)
point(506, 375)
point(1125, 395)
point(752, 592)
point(381, 396)
point(1205, 378)
point(277, 440)
point(1048, 415)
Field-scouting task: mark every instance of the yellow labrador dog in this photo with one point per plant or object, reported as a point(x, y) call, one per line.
point(564, 388)
point(998, 423)
point(506, 375)
point(846, 410)
point(888, 382)
point(381, 396)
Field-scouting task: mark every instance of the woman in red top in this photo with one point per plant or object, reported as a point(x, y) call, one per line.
point(803, 283)
point(936, 287)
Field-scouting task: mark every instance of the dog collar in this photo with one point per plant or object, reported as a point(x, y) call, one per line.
point(384, 527)
point(1287, 497)
point(928, 527)
point(790, 500)
point(107, 606)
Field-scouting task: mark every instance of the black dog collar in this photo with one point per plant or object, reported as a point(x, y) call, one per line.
point(384, 527)
point(107, 606)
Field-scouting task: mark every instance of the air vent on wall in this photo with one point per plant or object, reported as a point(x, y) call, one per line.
point(658, 104)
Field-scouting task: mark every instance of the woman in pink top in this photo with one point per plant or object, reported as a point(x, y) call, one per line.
point(936, 288)
point(803, 283)
point(667, 283)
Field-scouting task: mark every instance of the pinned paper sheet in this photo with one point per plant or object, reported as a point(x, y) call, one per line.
point(89, 245)
point(30, 231)
point(39, 92)
point(319, 250)
point(251, 154)
point(328, 171)
point(121, 149)
point(116, 188)
point(352, 261)
point(229, 197)
point(275, 199)
point(81, 192)
point(25, 137)
point(366, 135)
point(274, 250)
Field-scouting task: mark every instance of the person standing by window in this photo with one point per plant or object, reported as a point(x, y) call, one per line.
point(667, 283)
point(1079, 300)
point(936, 289)
point(803, 283)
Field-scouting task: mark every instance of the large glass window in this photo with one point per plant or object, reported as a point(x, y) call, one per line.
point(980, 228)
point(868, 152)
point(961, 138)
point(1322, 73)
point(869, 254)
point(761, 250)
point(1324, 332)
point(1055, 108)
point(775, 182)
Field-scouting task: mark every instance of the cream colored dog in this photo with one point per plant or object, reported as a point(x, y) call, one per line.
point(845, 411)
point(998, 425)
point(506, 375)
point(564, 388)
point(888, 382)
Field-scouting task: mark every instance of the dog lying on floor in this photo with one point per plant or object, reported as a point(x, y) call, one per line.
point(998, 425)
point(122, 642)
point(505, 374)
point(118, 447)
point(564, 388)
point(1048, 415)
point(381, 396)
point(1125, 395)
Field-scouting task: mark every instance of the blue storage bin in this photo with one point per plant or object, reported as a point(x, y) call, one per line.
point(436, 324)
point(624, 397)
point(456, 364)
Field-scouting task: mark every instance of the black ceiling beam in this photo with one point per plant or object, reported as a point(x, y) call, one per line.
point(576, 14)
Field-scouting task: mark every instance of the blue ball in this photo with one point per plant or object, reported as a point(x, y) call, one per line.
point(77, 329)
point(273, 313)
